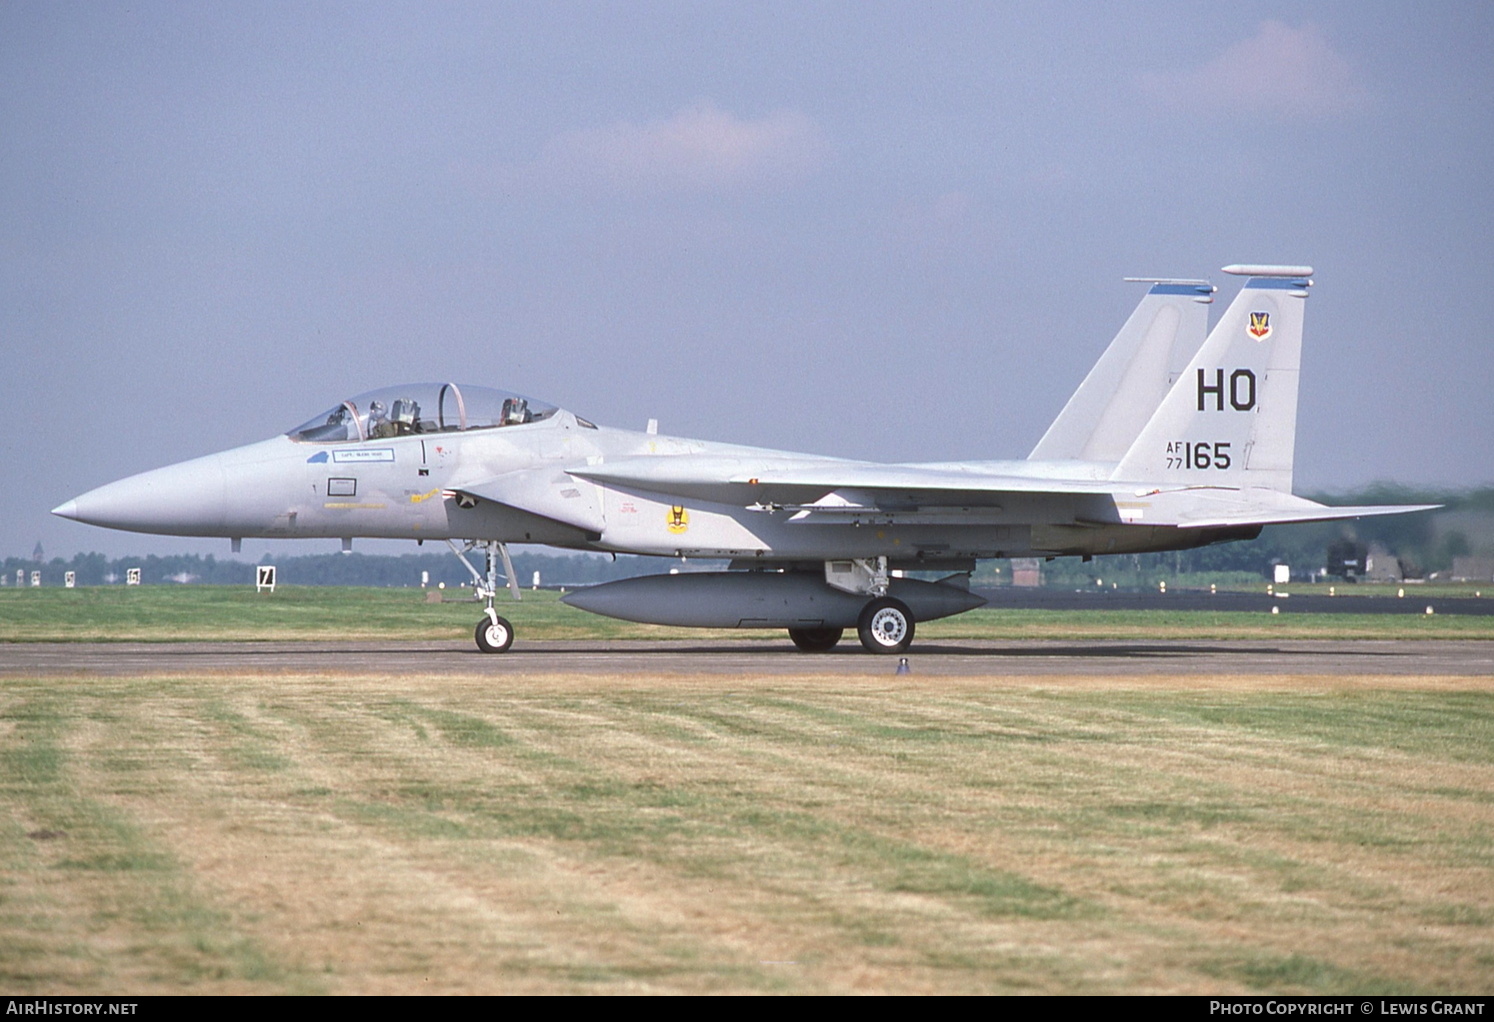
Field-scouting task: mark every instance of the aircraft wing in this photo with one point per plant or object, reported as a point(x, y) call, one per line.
point(724, 478)
point(831, 491)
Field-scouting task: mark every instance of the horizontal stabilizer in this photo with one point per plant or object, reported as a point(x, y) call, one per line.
point(1322, 513)
point(1223, 507)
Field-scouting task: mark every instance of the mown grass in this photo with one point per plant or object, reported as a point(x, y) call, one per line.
point(185, 613)
point(91, 898)
point(545, 834)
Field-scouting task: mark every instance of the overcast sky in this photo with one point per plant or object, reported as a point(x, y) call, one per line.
point(878, 230)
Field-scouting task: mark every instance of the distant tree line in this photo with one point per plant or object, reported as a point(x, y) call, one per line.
point(1424, 543)
point(333, 569)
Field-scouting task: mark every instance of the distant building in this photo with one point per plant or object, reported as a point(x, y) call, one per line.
point(1345, 559)
point(1380, 565)
point(1473, 569)
point(1027, 571)
point(37, 555)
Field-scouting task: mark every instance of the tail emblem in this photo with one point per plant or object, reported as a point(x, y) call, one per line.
point(1260, 325)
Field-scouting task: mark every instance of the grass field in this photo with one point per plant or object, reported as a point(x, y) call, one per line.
point(341, 833)
point(179, 613)
point(348, 834)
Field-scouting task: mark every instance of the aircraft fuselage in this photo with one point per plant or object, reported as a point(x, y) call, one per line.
point(416, 487)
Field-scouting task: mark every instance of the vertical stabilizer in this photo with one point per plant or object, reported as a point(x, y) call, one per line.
point(1133, 375)
point(1231, 418)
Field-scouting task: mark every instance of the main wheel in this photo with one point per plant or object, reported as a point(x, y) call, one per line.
point(885, 626)
point(816, 640)
point(494, 635)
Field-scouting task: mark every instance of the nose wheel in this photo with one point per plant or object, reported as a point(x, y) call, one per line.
point(494, 634)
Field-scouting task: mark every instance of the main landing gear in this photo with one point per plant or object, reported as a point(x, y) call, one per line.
point(885, 624)
point(494, 633)
point(816, 640)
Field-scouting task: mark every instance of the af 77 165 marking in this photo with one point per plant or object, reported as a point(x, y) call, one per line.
point(1182, 454)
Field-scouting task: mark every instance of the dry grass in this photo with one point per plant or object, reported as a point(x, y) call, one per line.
point(270, 833)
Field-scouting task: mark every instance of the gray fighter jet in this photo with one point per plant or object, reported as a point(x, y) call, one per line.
point(1174, 440)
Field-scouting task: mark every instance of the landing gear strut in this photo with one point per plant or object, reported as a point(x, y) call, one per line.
point(494, 634)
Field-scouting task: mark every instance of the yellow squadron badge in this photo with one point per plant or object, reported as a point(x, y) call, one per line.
point(1260, 325)
point(679, 519)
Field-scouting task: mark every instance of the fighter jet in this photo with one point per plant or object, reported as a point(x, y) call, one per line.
point(1173, 441)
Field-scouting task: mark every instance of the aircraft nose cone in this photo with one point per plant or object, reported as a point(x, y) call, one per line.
point(184, 500)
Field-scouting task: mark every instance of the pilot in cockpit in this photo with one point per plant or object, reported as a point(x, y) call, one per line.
point(515, 412)
point(379, 425)
point(399, 419)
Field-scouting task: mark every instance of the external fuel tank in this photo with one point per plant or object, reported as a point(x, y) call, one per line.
point(758, 599)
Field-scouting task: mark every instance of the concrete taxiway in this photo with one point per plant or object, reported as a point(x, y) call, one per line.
point(759, 657)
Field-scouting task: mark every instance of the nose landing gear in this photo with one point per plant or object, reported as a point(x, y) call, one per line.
point(494, 634)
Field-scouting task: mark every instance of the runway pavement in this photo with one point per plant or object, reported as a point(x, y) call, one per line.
point(758, 657)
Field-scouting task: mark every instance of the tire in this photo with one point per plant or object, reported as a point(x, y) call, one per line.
point(885, 626)
point(495, 635)
point(816, 640)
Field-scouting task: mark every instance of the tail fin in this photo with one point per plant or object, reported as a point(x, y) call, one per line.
point(1133, 375)
point(1231, 419)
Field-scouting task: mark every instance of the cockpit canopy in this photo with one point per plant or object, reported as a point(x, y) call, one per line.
point(420, 408)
